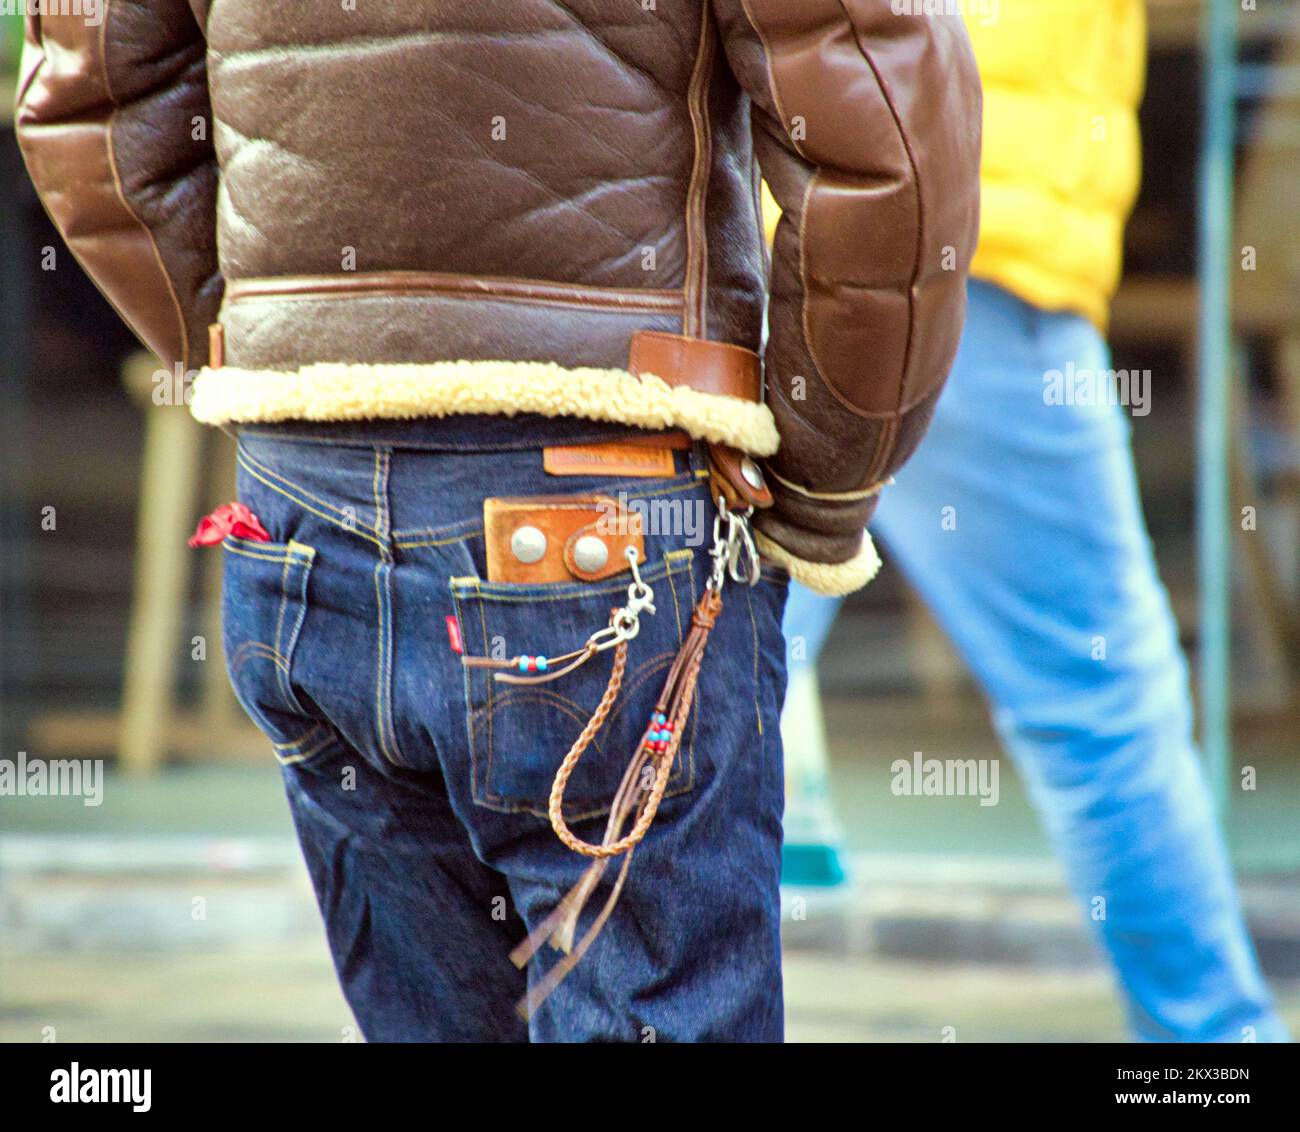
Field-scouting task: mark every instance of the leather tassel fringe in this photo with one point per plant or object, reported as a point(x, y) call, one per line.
point(671, 715)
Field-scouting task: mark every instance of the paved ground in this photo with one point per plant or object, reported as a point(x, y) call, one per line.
point(957, 919)
point(287, 993)
point(108, 957)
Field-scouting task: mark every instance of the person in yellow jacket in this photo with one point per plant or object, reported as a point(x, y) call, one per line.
point(1019, 523)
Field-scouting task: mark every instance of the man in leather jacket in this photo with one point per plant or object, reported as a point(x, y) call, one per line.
point(410, 252)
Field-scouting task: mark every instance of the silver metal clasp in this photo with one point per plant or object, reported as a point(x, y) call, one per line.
point(734, 553)
point(625, 623)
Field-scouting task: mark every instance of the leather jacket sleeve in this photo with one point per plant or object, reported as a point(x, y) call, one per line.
point(866, 126)
point(115, 126)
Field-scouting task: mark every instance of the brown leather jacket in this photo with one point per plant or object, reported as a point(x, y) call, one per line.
point(438, 206)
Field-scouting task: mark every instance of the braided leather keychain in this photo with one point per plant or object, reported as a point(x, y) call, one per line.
point(735, 556)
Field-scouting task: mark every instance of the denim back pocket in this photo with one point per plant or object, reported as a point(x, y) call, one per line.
point(263, 604)
point(520, 733)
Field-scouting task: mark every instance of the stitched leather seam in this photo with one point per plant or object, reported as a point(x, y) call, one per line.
point(695, 320)
point(120, 189)
point(784, 119)
point(34, 23)
point(771, 76)
point(831, 496)
point(416, 284)
point(920, 206)
point(805, 313)
point(884, 450)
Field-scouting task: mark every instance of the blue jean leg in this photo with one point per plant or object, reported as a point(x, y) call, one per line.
point(419, 928)
point(1020, 524)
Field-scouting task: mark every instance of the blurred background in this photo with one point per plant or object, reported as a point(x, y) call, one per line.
point(179, 910)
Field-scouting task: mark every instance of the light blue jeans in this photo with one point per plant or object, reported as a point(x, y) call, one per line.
point(1019, 523)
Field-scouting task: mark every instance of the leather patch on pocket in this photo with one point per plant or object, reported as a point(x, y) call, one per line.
point(612, 459)
point(542, 539)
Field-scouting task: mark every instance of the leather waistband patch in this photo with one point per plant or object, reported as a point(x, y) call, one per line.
point(610, 459)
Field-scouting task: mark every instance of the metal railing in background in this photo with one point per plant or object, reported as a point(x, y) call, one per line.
point(1216, 256)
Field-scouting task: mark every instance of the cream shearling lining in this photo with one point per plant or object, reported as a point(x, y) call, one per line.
point(345, 392)
point(834, 579)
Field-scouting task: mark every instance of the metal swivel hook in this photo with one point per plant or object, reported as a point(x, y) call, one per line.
point(742, 558)
point(734, 553)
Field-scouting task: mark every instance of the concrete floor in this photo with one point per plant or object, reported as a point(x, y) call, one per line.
point(956, 925)
point(287, 993)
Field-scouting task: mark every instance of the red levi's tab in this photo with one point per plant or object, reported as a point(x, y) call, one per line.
point(453, 634)
point(228, 519)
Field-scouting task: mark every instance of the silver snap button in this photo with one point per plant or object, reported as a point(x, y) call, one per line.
point(590, 554)
point(753, 473)
point(528, 544)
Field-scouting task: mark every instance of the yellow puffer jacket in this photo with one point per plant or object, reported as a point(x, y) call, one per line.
point(1062, 156)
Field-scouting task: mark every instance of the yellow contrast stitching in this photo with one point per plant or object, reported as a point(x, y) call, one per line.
point(758, 712)
point(374, 490)
point(379, 665)
point(250, 649)
point(407, 544)
point(251, 462)
point(579, 590)
point(301, 756)
point(288, 556)
point(469, 696)
point(353, 525)
point(475, 530)
point(677, 609)
point(282, 671)
point(384, 724)
point(298, 742)
point(284, 602)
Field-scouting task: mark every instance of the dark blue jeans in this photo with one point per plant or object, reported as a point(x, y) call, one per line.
point(419, 788)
